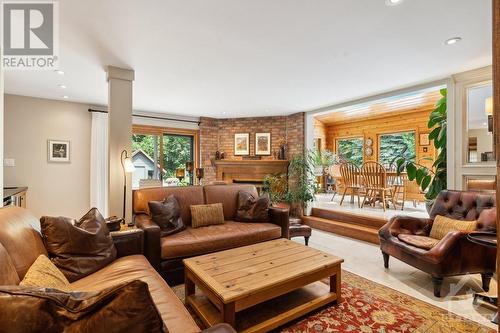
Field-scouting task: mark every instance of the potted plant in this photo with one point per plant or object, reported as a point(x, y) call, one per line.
point(301, 182)
point(431, 180)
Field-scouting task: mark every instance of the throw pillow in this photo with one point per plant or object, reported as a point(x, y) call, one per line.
point(442, 225)
point(78, 248)
point(127, 307)
point(167, 215)
point(422, 242)
point(251, 209)
point(43, 273)
point(205, 215)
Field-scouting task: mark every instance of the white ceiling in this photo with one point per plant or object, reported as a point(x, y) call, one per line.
point(233, 58)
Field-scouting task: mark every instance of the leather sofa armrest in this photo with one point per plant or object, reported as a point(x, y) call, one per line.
point(128, 242)
point(220, 328)
point(405, 225)
point(152, 249)
point(449, 243)
point(280, 216)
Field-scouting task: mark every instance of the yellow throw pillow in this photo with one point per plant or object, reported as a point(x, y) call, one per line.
point(443, 225)
point(43, 273)
point(204, 215)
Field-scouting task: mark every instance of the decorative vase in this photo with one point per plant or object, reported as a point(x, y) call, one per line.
point(281, 154)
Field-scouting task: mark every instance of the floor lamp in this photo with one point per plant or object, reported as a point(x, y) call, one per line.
point(128, 167)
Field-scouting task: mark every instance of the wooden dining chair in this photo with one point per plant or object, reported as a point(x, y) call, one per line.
point(351, 180)
point(375, 181)
point(398, 184)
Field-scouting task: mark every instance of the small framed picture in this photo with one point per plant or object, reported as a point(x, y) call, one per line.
point(424, 139)
point(262, 143)
point(58, 151)
point(241, 144)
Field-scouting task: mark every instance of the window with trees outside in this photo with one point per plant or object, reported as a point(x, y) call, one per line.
point(157, 153)
point(394, 145)
point(350, 150)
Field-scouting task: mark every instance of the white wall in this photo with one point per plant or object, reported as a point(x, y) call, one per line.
point(54, 188)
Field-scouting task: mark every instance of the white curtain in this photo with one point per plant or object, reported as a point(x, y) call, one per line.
point(99, 163)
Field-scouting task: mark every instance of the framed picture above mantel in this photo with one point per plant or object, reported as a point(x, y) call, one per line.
point(241, 144)
point(263, 144)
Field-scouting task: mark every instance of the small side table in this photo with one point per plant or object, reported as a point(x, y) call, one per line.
point(488, 239)
point(128, 241)
point(297, 229)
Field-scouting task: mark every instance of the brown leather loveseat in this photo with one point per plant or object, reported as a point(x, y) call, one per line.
point(454, 254)
point(166, 253)
point(21, 243)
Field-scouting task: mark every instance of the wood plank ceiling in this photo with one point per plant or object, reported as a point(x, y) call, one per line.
point(373, 110)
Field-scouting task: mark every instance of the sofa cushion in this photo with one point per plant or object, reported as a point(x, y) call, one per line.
point(20, 236)
point(191, 242)
point(443, 225)
point(422, 242)
point(78, 248)
point(43, 273)
point(186, 196)
point(123, 308)
point(228, 196)
point(167, 214)
point(174, 314)
point(205, 215)
point(8, 274)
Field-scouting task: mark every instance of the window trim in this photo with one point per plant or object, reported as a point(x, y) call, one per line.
point(160, 131)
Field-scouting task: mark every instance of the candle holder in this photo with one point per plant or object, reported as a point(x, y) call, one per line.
point(180, 174)
point(200, 173)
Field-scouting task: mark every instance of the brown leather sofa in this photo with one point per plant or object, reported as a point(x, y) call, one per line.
point(454, 254)
point(21, 243)
point(166, 253)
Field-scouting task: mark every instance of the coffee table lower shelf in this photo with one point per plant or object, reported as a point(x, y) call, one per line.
point(268, 315)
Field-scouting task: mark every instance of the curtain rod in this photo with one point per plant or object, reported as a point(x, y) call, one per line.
point(152, 117)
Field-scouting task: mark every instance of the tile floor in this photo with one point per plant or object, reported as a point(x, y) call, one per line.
point(365, 260)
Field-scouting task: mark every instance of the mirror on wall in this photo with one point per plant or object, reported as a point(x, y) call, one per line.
point(480, 124)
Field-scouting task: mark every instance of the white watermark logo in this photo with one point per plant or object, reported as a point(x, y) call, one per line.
point(30, 35)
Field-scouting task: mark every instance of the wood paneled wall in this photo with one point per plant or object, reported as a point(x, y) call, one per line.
point(373, 128)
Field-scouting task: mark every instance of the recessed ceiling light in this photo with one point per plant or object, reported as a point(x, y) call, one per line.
point(484, 124)
point(393, 2)
point(60, 72)
point(453, 40)
point(62, 86)
point(65, 97)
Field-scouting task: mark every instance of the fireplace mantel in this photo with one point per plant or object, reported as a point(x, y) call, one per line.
point(248, 171)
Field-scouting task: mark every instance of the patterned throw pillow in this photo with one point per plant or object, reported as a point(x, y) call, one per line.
point(167, 215)
point(442, 225)
point(251, 209)
point(43, 273)
point(205, 215)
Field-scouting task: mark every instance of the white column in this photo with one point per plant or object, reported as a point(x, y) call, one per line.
point(1, 123)
point(120, 138)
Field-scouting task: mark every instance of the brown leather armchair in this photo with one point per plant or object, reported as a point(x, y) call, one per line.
point(454, 254)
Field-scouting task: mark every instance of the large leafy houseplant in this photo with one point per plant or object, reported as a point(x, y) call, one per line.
point(431, 180)
point(301, 182)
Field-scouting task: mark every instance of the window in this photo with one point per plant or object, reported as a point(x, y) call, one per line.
point(158, 152)
point(351, 150)
point(396, 145)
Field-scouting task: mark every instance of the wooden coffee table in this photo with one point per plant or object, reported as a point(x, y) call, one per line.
point(260, 287)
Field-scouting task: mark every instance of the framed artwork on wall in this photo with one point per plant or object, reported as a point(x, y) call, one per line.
point(424, 139)
point(241, 144)
point(58, 151)
point(262, 143)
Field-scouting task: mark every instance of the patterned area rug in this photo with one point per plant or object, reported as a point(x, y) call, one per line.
point(369, 307)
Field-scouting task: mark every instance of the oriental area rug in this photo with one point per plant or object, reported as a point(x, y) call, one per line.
point(369, 307)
